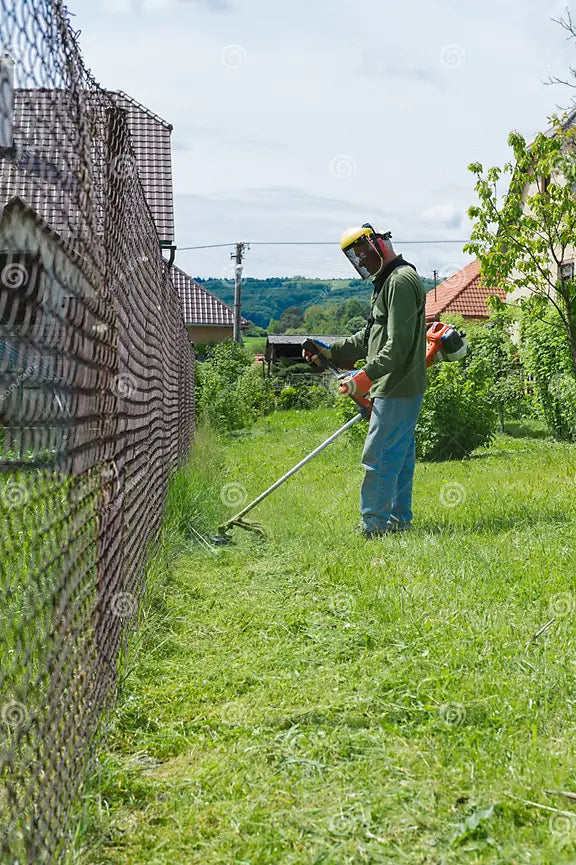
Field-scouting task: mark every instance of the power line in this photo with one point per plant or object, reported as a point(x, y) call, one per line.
point(308, 243)
point(335, 242)
point(209, 246)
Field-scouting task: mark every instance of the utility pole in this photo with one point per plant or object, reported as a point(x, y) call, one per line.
point(238, 256)
point(435, 283)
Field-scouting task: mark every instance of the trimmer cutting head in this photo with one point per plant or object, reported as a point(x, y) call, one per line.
point(223, 538)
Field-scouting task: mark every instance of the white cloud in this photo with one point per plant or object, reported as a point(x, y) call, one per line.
point(254, 145)
point(444, 215)
point(396, 66)
point(138, 6)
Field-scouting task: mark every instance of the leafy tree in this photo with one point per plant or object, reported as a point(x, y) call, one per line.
point(355, 324)
point(491, 341)
point(523, 238)
point(548, 362)
point(291, 318)
point(266, 299)
point(354, 308)
point(254, 330)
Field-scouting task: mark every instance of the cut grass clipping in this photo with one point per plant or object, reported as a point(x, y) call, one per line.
point(314, 698)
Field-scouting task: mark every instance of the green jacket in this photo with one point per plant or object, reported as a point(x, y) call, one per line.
point(396, 355)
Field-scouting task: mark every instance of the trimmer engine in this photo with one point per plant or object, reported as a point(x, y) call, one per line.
point(445, 343)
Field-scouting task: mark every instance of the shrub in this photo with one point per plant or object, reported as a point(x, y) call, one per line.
point(319, 396)
point(288, 397)
point(305, 396)
point(503, 371)
point(230, 391)
point(457, 415)
point(547, 358)
point(505, 377)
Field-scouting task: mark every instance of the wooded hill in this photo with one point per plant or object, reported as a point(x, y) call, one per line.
point(264, 300)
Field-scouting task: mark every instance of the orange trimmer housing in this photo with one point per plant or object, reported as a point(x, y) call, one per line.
point(434, 336)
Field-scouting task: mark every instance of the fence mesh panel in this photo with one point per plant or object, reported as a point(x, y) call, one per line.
point(96, 409)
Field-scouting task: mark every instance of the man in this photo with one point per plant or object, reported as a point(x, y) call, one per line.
point(394, 375)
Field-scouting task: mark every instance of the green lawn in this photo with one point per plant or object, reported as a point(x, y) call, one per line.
point(316, 698)
point(255, 344)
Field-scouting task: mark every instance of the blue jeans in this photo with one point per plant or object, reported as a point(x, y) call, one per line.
point(389, 457)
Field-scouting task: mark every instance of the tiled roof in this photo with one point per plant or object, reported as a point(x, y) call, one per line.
point(43, 172)
point(46, 170)
point(461, 294)
point(198, 305)
point(151, 142)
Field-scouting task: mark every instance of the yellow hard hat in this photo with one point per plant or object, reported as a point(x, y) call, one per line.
point(352, 235)
point(360, 245)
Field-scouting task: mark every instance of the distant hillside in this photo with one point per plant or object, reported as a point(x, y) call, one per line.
point(266, 299)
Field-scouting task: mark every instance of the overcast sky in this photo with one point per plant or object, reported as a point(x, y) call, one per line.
point(294, 119)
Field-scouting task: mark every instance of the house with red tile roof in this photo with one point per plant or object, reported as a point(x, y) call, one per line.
point(462, 294)
point(44, 179)
point(207, 318)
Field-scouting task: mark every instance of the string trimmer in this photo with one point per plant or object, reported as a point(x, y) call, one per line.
point(364, 411)
point(444, 342)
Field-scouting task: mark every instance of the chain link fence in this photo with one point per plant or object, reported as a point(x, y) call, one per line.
point(96, 409)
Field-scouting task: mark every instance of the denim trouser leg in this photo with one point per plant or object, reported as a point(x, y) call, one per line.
point(402, 503)
point(388, 458)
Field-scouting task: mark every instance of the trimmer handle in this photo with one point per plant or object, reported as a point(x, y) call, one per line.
point(364, 405)
point(321, 362)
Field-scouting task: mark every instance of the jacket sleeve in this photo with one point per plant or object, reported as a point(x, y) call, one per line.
point(345, 352)
point(403, 307)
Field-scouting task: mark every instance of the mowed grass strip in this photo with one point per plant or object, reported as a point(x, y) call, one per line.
point(316, 698)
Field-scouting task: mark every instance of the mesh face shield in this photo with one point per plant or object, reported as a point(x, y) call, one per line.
point(365, 258)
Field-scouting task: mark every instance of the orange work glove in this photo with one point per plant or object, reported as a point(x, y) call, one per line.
point(356, 384)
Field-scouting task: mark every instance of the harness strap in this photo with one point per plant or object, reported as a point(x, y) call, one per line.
point(381, 279)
